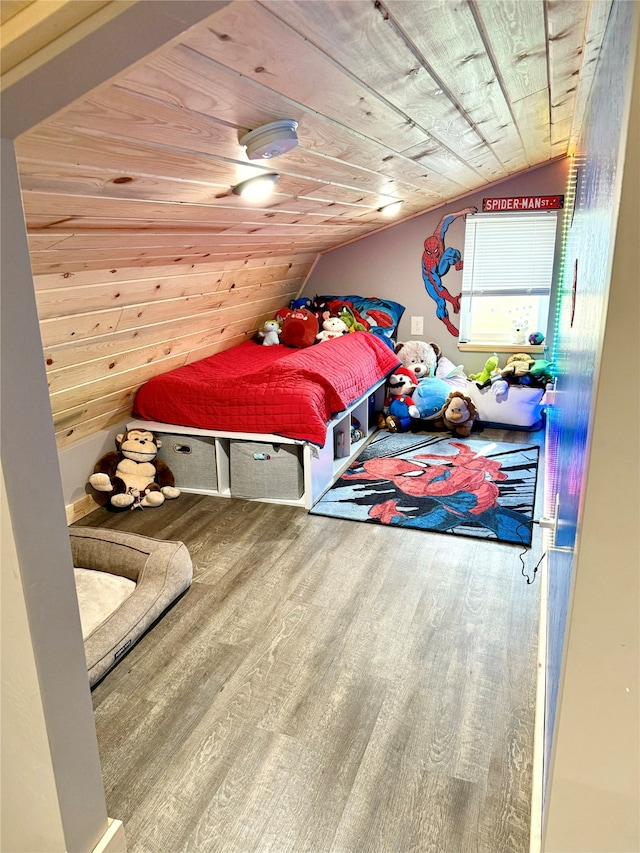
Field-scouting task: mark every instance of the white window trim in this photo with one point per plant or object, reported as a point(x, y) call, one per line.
point(490, 257)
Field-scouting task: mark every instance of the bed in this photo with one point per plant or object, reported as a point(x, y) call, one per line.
point(274, 390)
point(273, 423)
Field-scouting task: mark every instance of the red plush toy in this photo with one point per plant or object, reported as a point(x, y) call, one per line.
point(298, 328)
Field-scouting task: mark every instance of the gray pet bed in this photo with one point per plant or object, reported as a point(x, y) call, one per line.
point(124, 582)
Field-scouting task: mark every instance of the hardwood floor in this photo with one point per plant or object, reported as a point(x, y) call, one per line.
point(325, 686)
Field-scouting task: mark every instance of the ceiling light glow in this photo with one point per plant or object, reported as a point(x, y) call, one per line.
point(391, 209)
point(256, 189)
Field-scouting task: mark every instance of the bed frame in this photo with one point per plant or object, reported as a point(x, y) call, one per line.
point(321, 466)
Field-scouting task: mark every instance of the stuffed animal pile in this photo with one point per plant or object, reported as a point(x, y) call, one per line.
point(305, 322)
point(520, 369)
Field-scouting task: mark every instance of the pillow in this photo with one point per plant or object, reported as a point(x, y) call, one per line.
point(452, 373)
point(383, 315)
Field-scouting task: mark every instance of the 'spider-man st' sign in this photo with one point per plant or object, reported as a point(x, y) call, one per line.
point(523, 202)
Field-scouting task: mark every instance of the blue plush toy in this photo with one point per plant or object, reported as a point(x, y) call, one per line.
point(430, 396)
point(302, 302)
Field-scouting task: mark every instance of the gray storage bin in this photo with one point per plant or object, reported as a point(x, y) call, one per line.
point(261, 470)
point(192, 459)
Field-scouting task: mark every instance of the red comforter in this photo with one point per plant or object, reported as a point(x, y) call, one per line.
point(258, 389)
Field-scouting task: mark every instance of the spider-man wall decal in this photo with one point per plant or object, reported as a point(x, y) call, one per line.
point(436, 262)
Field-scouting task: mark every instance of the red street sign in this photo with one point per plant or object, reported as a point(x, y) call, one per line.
point(524, 202)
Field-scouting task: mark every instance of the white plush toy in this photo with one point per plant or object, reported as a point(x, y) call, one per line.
point(520, 324)
point(332, 327)
point(270, 333)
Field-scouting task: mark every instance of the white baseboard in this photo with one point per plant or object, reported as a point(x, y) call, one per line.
point(113, 841)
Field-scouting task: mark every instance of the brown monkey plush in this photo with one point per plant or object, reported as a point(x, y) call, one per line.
point(458, 414)
point(132, 474)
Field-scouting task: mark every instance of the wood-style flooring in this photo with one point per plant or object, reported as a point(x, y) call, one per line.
point(325, 686)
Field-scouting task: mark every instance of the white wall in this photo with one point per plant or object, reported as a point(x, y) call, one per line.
point(593, 804)
point(34, 510)
point(26, 760)
point(389, 264)
point(63, 810)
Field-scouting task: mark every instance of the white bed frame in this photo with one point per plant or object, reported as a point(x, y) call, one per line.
point(321, 465)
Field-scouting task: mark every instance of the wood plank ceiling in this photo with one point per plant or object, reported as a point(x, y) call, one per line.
point(134, 230)
point(402, 99)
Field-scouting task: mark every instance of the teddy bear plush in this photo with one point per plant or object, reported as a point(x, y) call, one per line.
point(458, 414)
point(399, 408)
point(517, 365)
point(132, 474)
point(419, 356)
point(520, 326)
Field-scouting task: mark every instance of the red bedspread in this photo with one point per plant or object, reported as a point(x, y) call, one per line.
point(258, 389)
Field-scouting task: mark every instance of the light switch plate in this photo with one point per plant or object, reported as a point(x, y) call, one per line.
point(417, 325)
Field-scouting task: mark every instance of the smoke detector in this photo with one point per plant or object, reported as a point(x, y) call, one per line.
point(270, 140)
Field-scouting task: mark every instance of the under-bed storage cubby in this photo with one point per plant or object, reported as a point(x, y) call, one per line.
point(351, 429)
point(192, 459)
point(296, 473)
point(263, 471)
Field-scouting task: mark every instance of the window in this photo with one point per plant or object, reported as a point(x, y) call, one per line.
point(507, 275)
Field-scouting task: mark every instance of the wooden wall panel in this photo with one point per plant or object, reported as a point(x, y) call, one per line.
point(105, 332)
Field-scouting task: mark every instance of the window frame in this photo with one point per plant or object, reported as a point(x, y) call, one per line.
point(527, 244)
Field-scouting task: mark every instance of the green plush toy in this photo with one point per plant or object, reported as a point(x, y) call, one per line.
point(490, 366)
point(540, 373)
point(349, 319)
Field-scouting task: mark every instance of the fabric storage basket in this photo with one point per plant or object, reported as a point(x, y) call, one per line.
point(192, 460)
point(260, 470)
point(521, 408)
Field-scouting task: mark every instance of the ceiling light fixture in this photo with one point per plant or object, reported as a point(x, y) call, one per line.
point(270, 140)
point(256, 189)
point(390, 209)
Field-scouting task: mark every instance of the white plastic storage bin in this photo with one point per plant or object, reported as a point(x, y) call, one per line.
point(192, 460)
point(260, 470)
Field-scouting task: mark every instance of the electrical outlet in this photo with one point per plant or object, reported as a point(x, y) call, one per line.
point(417, 325)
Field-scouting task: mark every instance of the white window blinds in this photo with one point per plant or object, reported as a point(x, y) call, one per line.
point(508, 258)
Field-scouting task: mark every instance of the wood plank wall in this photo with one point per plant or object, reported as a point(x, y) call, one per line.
point(106, 331)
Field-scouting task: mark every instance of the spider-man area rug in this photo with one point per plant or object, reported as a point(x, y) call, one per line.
point(454, 485)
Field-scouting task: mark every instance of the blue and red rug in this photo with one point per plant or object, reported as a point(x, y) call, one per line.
point(450, 485)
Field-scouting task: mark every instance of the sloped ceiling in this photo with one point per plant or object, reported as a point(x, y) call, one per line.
point(417, 100)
